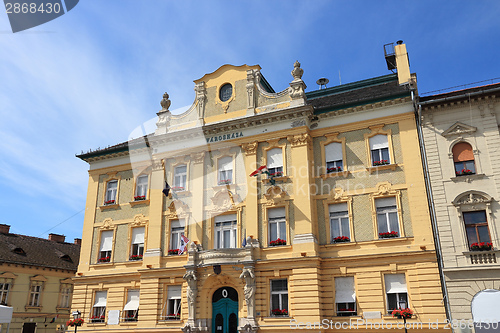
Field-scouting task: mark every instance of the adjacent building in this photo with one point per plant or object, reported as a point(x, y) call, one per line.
point(336, 231)
point(36, 280)
point(462, 140)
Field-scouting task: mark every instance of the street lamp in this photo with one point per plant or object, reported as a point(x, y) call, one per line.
point(76, 315)
point(402, 306)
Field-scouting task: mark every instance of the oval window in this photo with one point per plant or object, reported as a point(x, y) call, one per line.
point(225, 92)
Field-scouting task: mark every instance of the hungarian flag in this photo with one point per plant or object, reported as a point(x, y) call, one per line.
point(184, 241)
point(262, 169)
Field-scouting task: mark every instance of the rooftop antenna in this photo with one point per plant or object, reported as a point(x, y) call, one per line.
point(322, 82)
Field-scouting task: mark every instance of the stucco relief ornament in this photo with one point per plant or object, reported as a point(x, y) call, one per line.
point(297, 72)
point(164, 114)
point(250, 148)
point(297, 86)
point(249, 290)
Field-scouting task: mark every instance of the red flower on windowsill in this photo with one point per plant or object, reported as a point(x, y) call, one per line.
point(402, 313)
point(277, 242)
point(173, 316)
point(136, 257)
point(392, 234)
point(341, 239)
point(381, 162)
point(276, 174)
point(172, 252)
point(224, 182)
point(109, 202)
point(75, 322)
point(97, 319)
point(104, 259)
point(279, 312)
point(481, 246)
point(140, 197)
point(334, 169)
point(464, 172)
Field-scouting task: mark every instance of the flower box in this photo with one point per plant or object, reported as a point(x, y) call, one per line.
point(104, 259)
point(392, 234)
point(381, 162)
point(341, 239)
point(173, 252)
point(75, 322)
point(276, 174)
point(279, 312)
point(140, 197)
point(277, 242)
point(334, 169)
point(109, 202)
point(136, 257)
point(130, 318)
point(464, 172)
point(225, 182)
point(402, 313)
point(173, 316)
point(481, 246)
point(177, 188)
point(97, 319)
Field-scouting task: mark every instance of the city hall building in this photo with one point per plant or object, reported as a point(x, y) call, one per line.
point(300, 209)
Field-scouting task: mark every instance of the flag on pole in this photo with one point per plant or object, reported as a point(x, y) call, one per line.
point(166, 191)
point(184, 241)
point(54, 319)
point(262, 169)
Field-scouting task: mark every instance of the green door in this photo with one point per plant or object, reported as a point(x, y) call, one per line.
point(225, 311)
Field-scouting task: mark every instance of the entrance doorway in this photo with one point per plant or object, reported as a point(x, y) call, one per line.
point(225, 310)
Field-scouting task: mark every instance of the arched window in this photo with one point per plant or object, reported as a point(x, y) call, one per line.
point(463, 158)
point(485, 310)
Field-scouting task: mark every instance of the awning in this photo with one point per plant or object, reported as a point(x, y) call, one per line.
point(6, 314)
point(132, 301)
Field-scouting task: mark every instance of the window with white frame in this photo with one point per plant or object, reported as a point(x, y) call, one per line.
point(5, 287)
point(279, 297)
point(345, 296)
point(35, 293)
point(172, 306)
point(379, 147)
point(225, 170)
point(387, 217)
point(177, 228)
point(397, 294)
point(106, 246)
point(131, 308)
point(275, 162)
point(99, 309)
point(333, 156)
point(141, 188)
point(277, 226)
point(225, 231)
point(180, 176)
point(111, 188)
point(66, 289)
point(339, 223)
point(137, 250)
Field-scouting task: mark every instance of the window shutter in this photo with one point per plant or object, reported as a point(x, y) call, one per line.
point(225, 218)
point(379, 141)
point(462, 152)
point(138, 235)
point(275, 158)
point(385, 202)
point(226, 163)
point(177, 223)
point(333, 152)
point(395, 283)
point(100, 298)
point(174, 292)
point(132, 300)
point(344, 290)
point(106, 240)
point(337, 208)
point(276, 213)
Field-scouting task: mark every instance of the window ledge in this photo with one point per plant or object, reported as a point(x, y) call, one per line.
point(223, 187)
point(335, 174)
point(277, 179)
point(62, 309)
point(30, 307)
point(375, 168)
point(139, 202)
point(113, 206)
point(467, 178)
point(286, 246)
point(482, 257)
point(182, 193)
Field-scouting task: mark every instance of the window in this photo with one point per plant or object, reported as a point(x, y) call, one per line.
point(333, 155)
point(225, 231)
point(279, 297)
point(379, 147)
point(397, 294)
point(180, 175)
point(35, 293)
point(177, 229)
point(387, 217)
point(99, 308)
point(131, 308)
point(463, 157)
point(345, 296)
point(225, 170)
point(111, 188)
point(476, 227)
point(339, 223)
point(137, 249)
point(225, 92)
point(106, 245)
point(275, 162)
point(141, 188)
point(65, 295)
point(277, 226)
point(4, 292)
point(172, 306)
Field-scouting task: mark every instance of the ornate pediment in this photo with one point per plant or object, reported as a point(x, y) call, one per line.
point(274, 195)
point(139, 220)
point(337, 194)
point(224, 200)
point(384, 188)
point(177, 208)
point(471, 198)
point(107, 224)
point(458, 128)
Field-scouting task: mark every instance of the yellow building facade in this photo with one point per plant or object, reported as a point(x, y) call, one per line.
point(334, 236)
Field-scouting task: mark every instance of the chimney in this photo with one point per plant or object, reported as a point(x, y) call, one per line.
point(402, 63)
point(4, 228)
point(57, 238)
point(78, 241)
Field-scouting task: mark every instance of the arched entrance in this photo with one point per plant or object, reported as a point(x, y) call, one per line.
point(225, 310)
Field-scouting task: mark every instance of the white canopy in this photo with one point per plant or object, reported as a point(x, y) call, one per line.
point(333, 152)
point(276, 213)
point(395, 283)
point(379, 141)
point(138, 235)
point(174, 292)
point(100, 298)
point(132, 300)
point(225, 218)
point(275, 158)
point(6, 314)
point(344, 290)
point(106, 240)
point(226, 163)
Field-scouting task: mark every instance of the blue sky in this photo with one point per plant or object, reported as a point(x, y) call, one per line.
point(89, 78)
